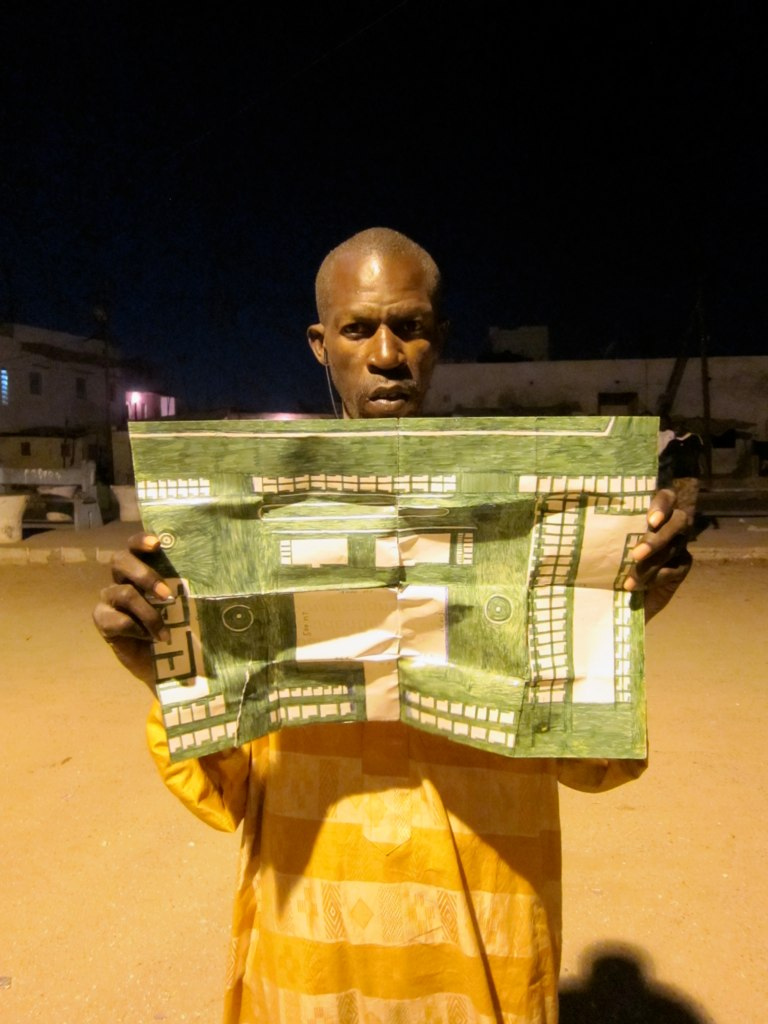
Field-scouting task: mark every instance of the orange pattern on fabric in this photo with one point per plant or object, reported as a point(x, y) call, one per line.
point(386, 876)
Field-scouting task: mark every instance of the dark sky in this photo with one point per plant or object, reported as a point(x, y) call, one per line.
point(589, 166)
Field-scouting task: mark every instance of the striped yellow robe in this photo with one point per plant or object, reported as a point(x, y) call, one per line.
point(387, 876)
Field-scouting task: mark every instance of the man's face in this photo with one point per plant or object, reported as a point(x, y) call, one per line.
point(380, 336)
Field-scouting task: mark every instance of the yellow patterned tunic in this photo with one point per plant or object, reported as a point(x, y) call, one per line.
point(387, 876)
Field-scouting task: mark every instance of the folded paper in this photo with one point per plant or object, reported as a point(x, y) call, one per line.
point(463, 575)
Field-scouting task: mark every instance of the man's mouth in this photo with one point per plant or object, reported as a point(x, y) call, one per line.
point(393, 394)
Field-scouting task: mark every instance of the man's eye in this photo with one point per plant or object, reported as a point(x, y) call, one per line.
point(412, 328)
point(354, 330)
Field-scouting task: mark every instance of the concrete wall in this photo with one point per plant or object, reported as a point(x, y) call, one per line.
point(71, 377)
point(43, 452)
point(738, 387)
point(77, 387)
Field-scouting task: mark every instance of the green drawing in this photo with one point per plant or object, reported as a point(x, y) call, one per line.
point(463, 575)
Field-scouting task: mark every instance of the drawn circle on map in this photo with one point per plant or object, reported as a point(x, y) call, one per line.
point(237, 617)
point(167, 540)
point(498, 608)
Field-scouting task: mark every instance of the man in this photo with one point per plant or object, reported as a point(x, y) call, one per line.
point(386, 874)
point(380, 332)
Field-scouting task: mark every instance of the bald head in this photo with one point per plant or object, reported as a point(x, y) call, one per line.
point(379, 333)
point(382, 242)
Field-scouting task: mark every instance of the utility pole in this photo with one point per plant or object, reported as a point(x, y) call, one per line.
point(701, 329)
point(699, 339)
point(101, 316)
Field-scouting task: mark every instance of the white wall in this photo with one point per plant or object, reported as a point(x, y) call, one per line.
point(43, 452)
point(738, 386)
point(59, 403)
point(60, 360)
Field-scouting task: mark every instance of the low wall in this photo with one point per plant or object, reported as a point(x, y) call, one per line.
point(737, 385)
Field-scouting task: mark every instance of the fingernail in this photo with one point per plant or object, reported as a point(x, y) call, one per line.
point(630, 583)
point(641, 551)
point(656, 518)
point(162, 591)
point(164, 635)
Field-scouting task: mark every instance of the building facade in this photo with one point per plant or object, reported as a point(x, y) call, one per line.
point(737, 389)
point(62, 396)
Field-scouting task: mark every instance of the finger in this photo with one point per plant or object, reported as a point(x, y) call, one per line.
point(116, 626)
point(673, 559)
point(127, 568)
point(143, 542)
point(655, 541)
point(123, 611)
point(661, 507)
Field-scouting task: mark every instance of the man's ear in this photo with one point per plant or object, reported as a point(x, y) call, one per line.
point(316, 339)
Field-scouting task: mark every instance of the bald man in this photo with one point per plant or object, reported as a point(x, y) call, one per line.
point(387, 875)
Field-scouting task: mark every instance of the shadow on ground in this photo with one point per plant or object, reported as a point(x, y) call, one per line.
point(617, 987)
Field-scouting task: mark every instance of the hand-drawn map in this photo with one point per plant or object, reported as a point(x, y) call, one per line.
point(463, 575)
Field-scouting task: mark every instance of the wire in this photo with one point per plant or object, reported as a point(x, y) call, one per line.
point(331, 392)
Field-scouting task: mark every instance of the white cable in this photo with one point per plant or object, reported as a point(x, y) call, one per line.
point(330, 392)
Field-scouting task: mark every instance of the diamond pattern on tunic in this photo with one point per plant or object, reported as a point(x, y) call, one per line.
point(447, 904)
point(361, 914)
point(334, 925)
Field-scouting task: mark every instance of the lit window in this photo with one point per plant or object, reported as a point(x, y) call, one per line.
point(3, 386)
point(137, 404)
point(35, 383)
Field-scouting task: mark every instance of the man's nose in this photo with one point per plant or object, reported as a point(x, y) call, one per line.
point(385, 350)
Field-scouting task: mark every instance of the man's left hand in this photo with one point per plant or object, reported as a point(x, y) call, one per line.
point(662, 560)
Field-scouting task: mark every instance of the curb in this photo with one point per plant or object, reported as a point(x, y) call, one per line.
point(729, 555)
point(48, 556)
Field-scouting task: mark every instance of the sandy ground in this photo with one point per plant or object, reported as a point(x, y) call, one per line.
point(115, 901)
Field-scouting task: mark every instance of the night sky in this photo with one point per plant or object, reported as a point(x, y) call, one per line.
point(595, 167)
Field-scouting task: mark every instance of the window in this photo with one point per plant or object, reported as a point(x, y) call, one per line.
point(26, 447)
point(3, 386)
point(80, 389)
point(35, 382)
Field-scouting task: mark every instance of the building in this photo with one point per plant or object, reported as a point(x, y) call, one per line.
point(734, 403)
point(62, 396)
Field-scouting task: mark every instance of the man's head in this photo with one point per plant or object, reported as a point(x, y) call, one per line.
point(379, 331)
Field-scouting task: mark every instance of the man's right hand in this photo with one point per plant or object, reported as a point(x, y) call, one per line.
point(126, 616)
